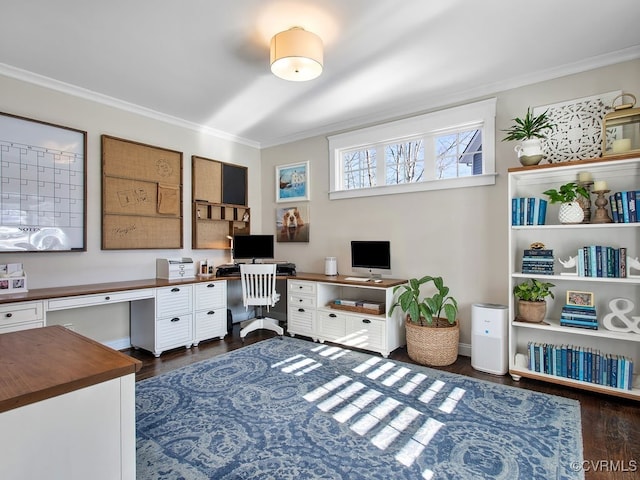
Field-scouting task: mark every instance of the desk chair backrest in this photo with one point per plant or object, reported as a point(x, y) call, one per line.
point(259, 284)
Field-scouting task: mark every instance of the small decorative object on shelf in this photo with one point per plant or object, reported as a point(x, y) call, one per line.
point(570, 209)
point(601, 215)
point(571, 263)
point(585, 179)
point(530, 130)
point(621, 128)
point(12, 278)
point(619, 308)
point(632, 263)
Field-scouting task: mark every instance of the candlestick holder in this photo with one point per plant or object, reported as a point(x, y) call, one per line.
point(601, 215)
point(585, 203)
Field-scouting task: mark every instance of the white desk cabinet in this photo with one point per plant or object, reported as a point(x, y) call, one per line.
point(21, 316)
point(210, 312)
point(169, 325)
point(309, 312)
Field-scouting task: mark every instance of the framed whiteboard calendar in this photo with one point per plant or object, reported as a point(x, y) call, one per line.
point(42, 186)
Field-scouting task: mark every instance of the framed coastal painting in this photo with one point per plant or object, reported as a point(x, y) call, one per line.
point(43, 176)
point(292, 182)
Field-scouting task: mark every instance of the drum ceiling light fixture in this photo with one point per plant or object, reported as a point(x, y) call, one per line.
point(296, 55)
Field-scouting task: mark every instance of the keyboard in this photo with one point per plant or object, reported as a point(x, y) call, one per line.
point(357, 279)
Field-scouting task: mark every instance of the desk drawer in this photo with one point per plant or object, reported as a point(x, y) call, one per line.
point(14, 327)
point(211, 295)
point(174, 332)
point(301, 321)
point(99, 299)
point(300, 286)
point(171, 301)
point(303, 301)
point(21, 312)
point(365, 332)
point(331, 325)
point(210, 324)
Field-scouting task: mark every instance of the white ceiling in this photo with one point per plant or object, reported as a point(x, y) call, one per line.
point(206, 62)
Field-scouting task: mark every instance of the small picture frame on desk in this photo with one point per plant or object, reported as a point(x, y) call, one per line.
point(582, 299)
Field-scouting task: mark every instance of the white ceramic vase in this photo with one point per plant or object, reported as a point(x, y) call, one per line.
point(571, 212)
point(529, 151)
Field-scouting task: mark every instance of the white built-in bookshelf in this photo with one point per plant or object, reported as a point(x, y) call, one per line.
point(622, 173)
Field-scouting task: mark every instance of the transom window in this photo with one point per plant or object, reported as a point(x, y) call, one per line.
point(452, 148)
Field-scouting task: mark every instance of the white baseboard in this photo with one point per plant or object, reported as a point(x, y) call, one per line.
point(464, 349)
point(119, 344)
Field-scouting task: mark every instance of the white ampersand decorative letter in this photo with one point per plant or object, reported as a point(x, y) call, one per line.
point(620, 306)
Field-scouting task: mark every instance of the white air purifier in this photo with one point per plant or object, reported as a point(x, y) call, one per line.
point(489, 338)
point(330, 266)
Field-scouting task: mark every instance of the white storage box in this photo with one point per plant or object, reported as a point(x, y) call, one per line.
point(175, 269)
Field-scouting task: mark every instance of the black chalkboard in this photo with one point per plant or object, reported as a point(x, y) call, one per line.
point(234, 184)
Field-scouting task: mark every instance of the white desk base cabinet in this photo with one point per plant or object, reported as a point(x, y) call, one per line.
point(309, 314)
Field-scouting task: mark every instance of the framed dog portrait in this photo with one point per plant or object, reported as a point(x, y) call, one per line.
point(292, 182)
point(582, 299)
point(292, 223)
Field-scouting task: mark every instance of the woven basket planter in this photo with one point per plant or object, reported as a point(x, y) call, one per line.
point(434, 346)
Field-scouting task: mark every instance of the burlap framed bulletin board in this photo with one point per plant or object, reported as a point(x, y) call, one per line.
point(141, 196)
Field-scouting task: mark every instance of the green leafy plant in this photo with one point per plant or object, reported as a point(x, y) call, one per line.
point(533, 290)
point(568, 192)
point(529, 127)
point(423, 310)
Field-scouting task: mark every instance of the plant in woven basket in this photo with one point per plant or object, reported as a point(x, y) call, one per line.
point(426, 345)
point(423, 310)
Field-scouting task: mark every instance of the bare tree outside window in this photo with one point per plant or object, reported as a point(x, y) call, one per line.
point(359, 168)
point(404, 162)
point(456, 153)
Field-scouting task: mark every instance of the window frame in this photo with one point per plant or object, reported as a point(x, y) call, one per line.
point(427, 125)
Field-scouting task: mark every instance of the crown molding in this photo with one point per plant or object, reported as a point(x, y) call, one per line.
point(73, 90)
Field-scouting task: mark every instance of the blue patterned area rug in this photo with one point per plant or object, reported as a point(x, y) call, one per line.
point(286, 408)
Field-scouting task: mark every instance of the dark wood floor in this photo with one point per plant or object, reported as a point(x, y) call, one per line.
point(610, 426)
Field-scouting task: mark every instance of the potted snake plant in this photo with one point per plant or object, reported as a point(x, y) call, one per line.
point(530, 130)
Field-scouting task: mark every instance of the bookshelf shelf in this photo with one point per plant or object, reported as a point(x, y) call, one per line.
point(622, 174)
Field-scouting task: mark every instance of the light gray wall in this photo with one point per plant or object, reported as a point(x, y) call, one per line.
point(460, 234)
point(96, 265)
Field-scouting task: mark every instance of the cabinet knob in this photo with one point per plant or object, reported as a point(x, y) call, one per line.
point(9, 315)
point(175, 289)
point(210, 312)
point(366, 320)
point(332, 315)
point(299, 286)
point(211, 285)
point(301, 309)
point(107, 298)
point(175, 319)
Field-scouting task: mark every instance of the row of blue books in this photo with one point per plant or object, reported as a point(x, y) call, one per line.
point(581, 363)
point(602, 261)
point(580, 316)
point(537, 261)
point(623, 206)
point(528, 211)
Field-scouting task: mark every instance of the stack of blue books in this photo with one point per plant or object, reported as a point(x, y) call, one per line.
point(537, 261)
point(579, 316)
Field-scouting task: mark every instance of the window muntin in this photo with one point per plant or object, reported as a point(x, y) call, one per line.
point(446, 149)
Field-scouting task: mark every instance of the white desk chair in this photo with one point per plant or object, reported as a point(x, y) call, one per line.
point(259, 290)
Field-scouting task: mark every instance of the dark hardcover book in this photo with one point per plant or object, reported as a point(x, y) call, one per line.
point(631, 198)
point(630, 374)
point(625, 205)
point(637, 197)
point(542, 212)
point(619, 206)
point(514, 212)
point(614, 371)
point(543, 252)
point(563, 357)
point(614, 208)
point(572, 324)
point(623, 262)
point(522, 210)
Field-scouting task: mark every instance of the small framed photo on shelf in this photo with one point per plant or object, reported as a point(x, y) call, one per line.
point(582, 299)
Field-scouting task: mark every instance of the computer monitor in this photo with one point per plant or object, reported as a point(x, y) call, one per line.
point(371, 256)
point(252, 247)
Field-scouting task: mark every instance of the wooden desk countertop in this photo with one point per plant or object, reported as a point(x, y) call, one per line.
point(41, 363)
